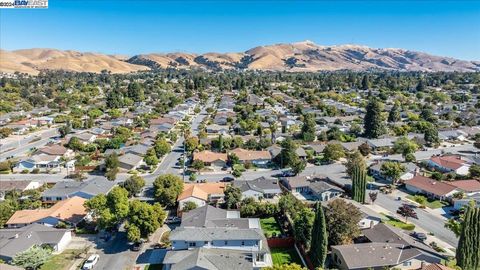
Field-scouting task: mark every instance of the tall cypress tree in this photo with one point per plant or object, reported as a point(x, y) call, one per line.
point(468, 251)
point(318, 250)
point(359, 184)
point(373, 122)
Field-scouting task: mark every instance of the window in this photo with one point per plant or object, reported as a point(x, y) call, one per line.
point(407, 263)
point(59, 198)
point(226, 243)
point(205, 243)
point(192, 244)
point(243, 243)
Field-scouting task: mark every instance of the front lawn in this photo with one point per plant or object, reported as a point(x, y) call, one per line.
point(270, 227)
point(398, 223)
point(62, 261)
point(285, 256)
point(430, 203)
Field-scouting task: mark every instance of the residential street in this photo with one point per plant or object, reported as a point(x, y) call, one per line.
point(21, 146)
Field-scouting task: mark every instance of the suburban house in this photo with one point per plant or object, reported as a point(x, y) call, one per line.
point(257, 158)
point(57, 150)
point(460, 203)
point(70, 211)
point(137, 149)
point(449, 163)
point(13, 241)
point(217, 234)
point(129, 161)
point(217, 129)
point(379, 145)
point(44, 163)
point(201, 194)
point(19, 185)
point(430, 187)
point(469, 187)
point(386, 247)
point(259, 188)
point(211, 159)
point(84, 137)
point(410, 170)
point(312, 188)
point(86, 189)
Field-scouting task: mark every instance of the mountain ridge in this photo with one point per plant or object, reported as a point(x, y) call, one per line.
point(304, 56)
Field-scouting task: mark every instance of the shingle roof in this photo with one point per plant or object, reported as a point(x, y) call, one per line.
point(467, 185)
point(70, 210)
point(201, 190)
point(209, 156)
point(57, 150)
point(211, 234)
point(246, 155)
point(452, 162)
point(91, 187)
point(213, 259)
point(430, 185)
point(14, 185)
point(13, 241)
point(261, 184)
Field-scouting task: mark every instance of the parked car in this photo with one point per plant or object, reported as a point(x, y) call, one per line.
point(90, 262)
point(137, 246)
point(420, 236)
point(173, 220)
point(227, 179)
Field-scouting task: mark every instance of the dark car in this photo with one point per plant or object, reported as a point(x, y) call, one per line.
point(137, 246)
point(420, 236)
point(227, 179)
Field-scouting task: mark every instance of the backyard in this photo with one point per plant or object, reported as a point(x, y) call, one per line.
point(430, 203)
point(270, 227)
point(285, 256)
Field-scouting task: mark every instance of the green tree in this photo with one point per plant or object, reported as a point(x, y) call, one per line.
point(135, 91)
point(134, 185)
point(319, 247)
point(233, 196)
point(133, 233)
point(162, 147)
point(359, 184)
point(114, 100)
point(308, 128)
point(468, 255)
point(290, 266)
point(111, 161)
point(33, 257)
point(302, 227)
point(365, 83)
point(198, 165)
point(333, 151)
point(394, 114)
point(146, 217)
point(342, 222)
point(65, 129)
point(298, 166)
point(431, 136)
point(474, 171)
point(405, 146)
point(287, 156)
point(353, 160)
point(191, 143)
point(167, 188)
point(392, 170)
point(373, 123)
point(189, 206)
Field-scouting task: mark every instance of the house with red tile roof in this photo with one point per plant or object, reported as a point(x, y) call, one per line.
point(431, 187)
point(449, 163)
point(469, 187)
point(211, 159)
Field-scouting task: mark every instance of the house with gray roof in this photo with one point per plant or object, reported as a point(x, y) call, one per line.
point(137, 149)
point(376, 171)
point(378, 145)
point(13, 241)
point(86, 189)
point(312, 188)
point(386, 247)
point(129, 161)
point(259, 188)
point(205, 258)
point(208, 228)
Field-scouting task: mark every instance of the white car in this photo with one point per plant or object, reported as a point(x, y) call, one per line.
point(90, 262)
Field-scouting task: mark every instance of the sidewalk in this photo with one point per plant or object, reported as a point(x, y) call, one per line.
point(430, 238)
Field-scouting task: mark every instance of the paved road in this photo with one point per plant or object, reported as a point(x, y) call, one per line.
point(427, 221)
point(116, 255)
point(24, 145)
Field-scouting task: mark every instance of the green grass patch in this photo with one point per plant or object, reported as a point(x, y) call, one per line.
point(398, 223)
point(430, 203)
point(154, 267)
point(62, 261)
point(239, 167)
point(270, 227)
point(285, 256)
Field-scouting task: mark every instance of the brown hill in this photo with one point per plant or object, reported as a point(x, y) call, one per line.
point(33, 60)
point(301, 56)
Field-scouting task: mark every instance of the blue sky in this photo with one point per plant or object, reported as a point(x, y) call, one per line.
point(449, 28)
